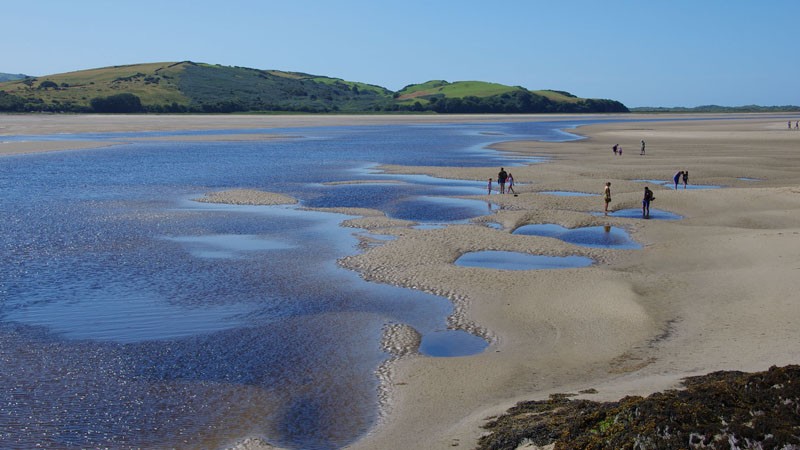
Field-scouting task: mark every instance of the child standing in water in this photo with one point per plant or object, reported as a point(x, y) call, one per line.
point(685, 178)
point(510, 181)
point(490, 187)
point(607, 195)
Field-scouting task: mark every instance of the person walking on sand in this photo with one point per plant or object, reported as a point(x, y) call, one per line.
point(607, 195)
point(677, 178)
point(510, 181)
point(642, 152)
point(501, 180)
point(614, 149)
point(648, 197)
point(490, 187)
point(685, 178)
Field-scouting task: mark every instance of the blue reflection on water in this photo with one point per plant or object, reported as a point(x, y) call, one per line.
point(671, 185)
point(503, 260)
point(451, 343)
point(130, 317)
point(597, 237)
point(636, 213)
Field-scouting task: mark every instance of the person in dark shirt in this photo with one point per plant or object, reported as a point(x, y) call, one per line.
point(648, 197)
point(501, 180)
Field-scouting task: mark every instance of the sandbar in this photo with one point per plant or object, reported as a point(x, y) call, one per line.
point(247, 197)
point(715, 290)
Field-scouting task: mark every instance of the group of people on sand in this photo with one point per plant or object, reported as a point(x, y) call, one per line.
point(796, 125)
point(503, 178)
point(617, 149)
point(681, 175)
point(648, 197)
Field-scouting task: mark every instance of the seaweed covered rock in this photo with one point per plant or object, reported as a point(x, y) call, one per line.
point(730, 410)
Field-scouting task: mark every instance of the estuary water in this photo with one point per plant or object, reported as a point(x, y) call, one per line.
point(133, 316)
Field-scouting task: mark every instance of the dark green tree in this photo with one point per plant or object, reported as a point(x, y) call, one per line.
point(47, 84)
point(120, 103)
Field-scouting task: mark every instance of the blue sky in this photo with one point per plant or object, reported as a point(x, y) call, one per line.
point(643, 53)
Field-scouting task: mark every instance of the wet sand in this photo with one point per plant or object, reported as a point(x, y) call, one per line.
point(715, 290)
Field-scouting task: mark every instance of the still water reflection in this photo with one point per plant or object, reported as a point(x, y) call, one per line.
point(133, 317)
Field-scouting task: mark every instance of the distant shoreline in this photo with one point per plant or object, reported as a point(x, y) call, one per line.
point(30, 124)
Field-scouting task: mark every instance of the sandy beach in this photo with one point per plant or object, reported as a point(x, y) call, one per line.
point(715, 290)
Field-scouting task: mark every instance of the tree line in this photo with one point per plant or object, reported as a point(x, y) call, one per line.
point(519, 102)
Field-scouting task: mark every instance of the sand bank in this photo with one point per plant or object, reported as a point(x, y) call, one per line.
point(19, 148)
point(715, 290)
point(247, 197)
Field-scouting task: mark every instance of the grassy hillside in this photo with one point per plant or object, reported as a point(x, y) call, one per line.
point(558, 96)
point(226, 89)
point(154, 84)
point(11, 76)
point(484, 97)
point(198, 87)
point(458, 89)
point(193, 87)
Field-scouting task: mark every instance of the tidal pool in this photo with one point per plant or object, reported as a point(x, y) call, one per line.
point(435, 209)
point(450, 343)
point(671, 184)
point(504, 260)
point(636, 213)
point(597, 237)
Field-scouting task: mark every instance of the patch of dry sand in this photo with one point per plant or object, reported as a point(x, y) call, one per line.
point(715, 290)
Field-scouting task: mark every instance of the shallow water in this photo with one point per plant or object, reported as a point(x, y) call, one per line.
point(503, 260)
point(671, 185)
point(597, 237)
point(636, 213)
point(131, 316)
point(451, 343)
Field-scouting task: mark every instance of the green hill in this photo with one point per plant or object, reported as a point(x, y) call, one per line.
point(483, 97)
point(11, 76)
point(197, 87)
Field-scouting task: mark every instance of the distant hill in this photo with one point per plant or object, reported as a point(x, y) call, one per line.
point(11, 76)
point(483, 97)
point(177, 87)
